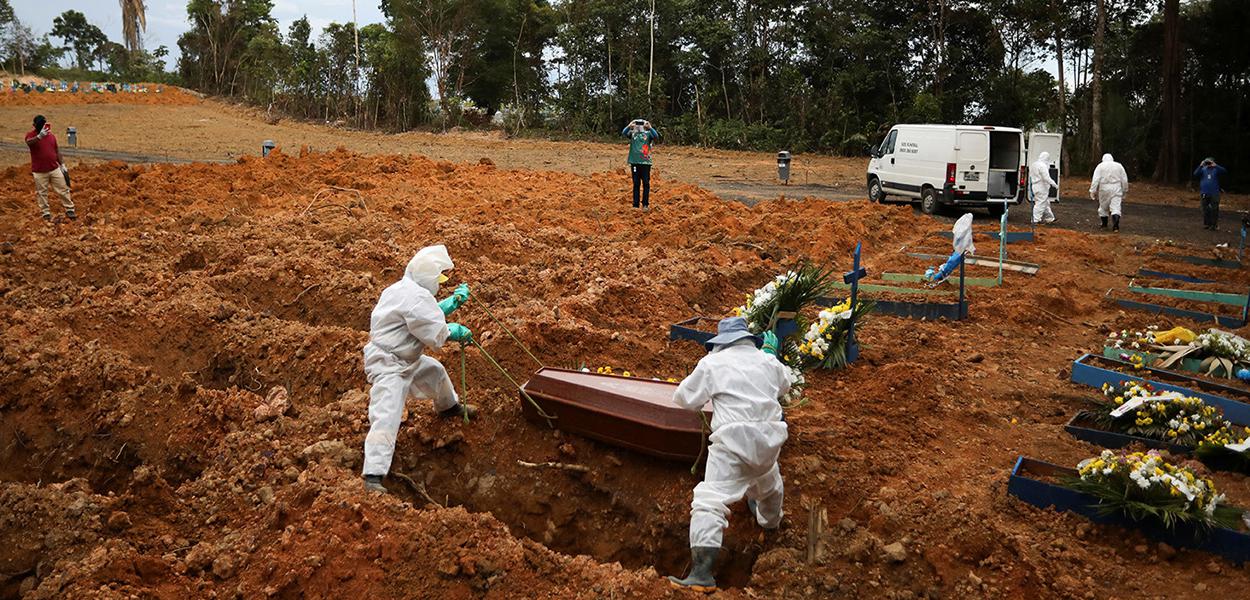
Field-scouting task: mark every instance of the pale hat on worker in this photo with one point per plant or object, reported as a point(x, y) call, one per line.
point(730, 330)
point(427, 266)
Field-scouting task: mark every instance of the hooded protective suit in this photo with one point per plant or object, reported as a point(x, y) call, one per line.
point(1040, 183)
point(406, 320)
point(743, 384)
point(1108, 185)
point(961, 234)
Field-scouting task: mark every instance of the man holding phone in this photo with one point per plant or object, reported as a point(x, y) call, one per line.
point(48, 168)
point(1209, 174)
point(641, 135)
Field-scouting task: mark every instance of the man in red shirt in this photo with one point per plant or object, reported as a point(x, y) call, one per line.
point(48, 168)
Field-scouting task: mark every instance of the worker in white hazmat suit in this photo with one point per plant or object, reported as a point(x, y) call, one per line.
point(744, 384)
point(406, 321)
point(1108, 185)
point(961, 234)
point(1040, 183)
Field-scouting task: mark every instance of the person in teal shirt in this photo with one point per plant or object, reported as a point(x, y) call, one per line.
point(641, 135)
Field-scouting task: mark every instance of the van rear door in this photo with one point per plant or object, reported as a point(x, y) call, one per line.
point(1047, 142)
point(972, 162)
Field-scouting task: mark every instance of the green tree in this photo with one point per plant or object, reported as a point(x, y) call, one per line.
point(158, 58)
point(395, 77)
point(86, 40)
point(507, 63)
point(220, 42)
point(450, 30)
point(20, 49)
point(338, 50)
point(302, 85)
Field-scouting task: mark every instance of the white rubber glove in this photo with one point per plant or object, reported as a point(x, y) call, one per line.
point(45, 131)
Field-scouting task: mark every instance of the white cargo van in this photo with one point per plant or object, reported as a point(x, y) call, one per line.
point(952, 165)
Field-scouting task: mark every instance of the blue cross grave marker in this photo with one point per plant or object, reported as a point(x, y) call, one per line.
point(852, 278)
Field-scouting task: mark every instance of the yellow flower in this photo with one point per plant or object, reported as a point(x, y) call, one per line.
point(626, 374)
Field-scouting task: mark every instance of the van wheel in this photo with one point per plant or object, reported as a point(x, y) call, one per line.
point(996, 210)
point(875, 192)
point(929, 201)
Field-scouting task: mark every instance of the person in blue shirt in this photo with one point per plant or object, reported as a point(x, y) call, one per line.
point(641, 136)
point(1209, 174)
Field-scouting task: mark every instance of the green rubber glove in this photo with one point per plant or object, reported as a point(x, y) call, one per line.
point(770, 343)
point(455, 300)
point(459, 333)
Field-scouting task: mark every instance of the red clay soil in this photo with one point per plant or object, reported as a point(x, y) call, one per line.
point(147, 451)
point(168, 95)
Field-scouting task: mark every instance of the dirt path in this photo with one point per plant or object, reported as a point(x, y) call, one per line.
point(214, 130)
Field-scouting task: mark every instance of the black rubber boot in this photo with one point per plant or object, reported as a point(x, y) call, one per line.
point(1115, 219)
point(373, 483)
point(701, 578)
point(1104, 222)
point(458, 411)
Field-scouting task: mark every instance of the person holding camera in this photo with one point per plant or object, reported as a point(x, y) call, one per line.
point(48, 168)
point(1209, 174)
point(641, 135)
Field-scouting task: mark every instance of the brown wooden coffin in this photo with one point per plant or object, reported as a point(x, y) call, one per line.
point(633, 413)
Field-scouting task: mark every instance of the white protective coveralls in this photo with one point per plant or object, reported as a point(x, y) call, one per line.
point(1040, 183)
point(961, 235)
point(743, 384)
point(1108, 185)
point(404, 323)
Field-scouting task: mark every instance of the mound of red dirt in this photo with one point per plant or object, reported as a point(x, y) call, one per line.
point(168, 94)
point(146, 448)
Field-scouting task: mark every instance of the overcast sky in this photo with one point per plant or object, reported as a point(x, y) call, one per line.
point(167, 19)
